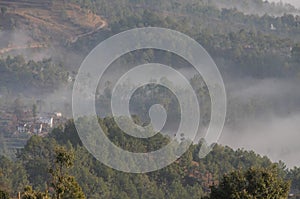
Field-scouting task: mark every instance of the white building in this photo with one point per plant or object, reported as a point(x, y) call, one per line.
point(46, 120)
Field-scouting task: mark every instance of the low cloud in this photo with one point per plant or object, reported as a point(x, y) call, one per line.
point(276, 137)
point(272, 126)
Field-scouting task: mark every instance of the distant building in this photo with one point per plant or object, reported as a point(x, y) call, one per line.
point(46, 120)
point(58, 114)
point(273, 27)
point(37, 129)
point(23, 128)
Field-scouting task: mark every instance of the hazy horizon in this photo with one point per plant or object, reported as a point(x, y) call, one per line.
point(295, 3)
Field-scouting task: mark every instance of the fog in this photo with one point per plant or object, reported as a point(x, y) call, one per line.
point(272, 128)
point(251, 7)
point(277, 137)
point(295, 3)
point(263, 114)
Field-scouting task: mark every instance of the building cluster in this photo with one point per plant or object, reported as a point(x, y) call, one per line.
point(41, 124)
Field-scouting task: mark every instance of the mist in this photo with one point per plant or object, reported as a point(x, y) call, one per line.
point(295, 3)
point(273, 8)
point(263, 114)
point(272, 126)
point(16, 42)
point(276, 137)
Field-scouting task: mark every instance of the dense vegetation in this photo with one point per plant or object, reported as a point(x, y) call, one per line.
point(248, 45)
point(253, 183)
point(243, 44)
point(46, 165)
point(19, 75)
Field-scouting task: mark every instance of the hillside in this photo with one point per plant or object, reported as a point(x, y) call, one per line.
point(45, 23)
point(188, 177)
point(43, 43)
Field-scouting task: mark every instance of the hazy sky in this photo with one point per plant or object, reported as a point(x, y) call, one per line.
point(293, 2)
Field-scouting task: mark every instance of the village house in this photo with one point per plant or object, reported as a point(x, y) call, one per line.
point(37, 129)
point(23, 128)
point(46, 120)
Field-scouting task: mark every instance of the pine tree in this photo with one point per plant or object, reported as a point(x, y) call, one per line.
point(65, 186)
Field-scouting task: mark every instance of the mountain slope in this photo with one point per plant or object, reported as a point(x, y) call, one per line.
point(45, 23)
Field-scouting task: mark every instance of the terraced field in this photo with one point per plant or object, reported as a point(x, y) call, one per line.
point(49, 21)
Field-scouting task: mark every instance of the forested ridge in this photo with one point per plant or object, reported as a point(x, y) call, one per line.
point(18, 74)
point(188, 177)
point(239, 42)
point(252, 45)
point(247, 39)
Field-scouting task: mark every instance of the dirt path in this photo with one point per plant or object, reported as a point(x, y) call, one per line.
point(103, 25)
point(59, 27)
point(70, 33)
point(29, 46)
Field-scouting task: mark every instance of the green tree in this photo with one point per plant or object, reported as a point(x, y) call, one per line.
point(13, 176)
point(296, 53)
point(4, 195)
point(259, 183)
point(28, 193)
point(65, 186)
point(18, 107)
point(3, 10)
point(34, 111)
point(36, 158)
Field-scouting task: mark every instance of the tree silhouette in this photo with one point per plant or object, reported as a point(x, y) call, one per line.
point(65, 186)
point(257, 183)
